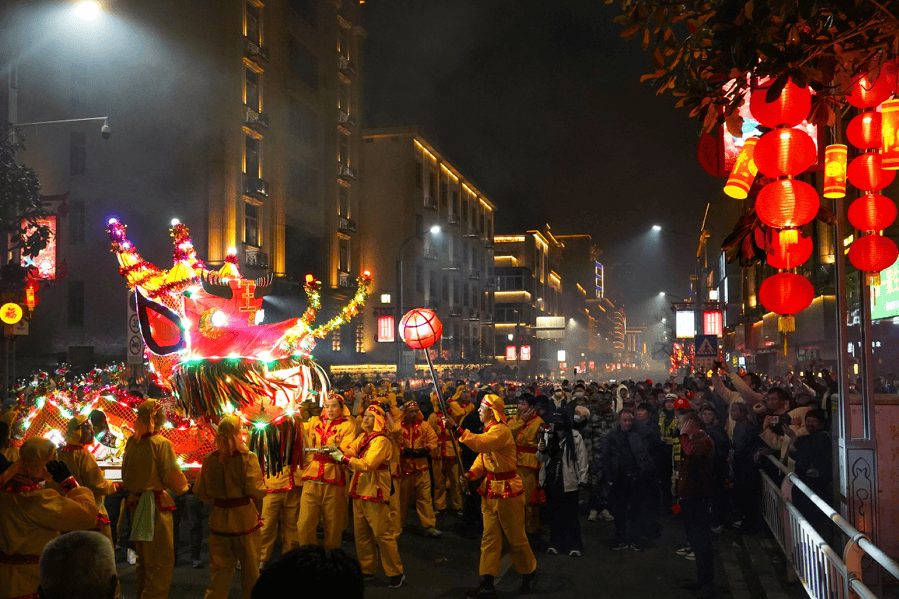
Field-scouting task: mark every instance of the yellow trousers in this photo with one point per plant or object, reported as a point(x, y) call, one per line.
point(505, 516)
point(224, 553)
point(283, 508)
point(394, 515)
point(325, 502)
point(446, 472)
point(155, 559)
point(531, 511)
point(372, 526)
point(417, 486)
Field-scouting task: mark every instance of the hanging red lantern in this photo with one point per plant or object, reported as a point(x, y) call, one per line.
point(863, 130)
point(866, 173)
point(872, 254)
point(787, 203)
point(790, 108)
point(743, 174)
point(786, 294)
point(872, 212)
point(889, 134)
point(872, 90)
point(835, 171)
point(789, 255)
point(420, 328)
point(784, 152)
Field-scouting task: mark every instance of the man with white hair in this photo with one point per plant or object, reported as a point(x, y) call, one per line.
point(78, 565)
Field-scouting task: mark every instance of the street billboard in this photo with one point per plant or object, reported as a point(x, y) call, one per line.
point(885, 297)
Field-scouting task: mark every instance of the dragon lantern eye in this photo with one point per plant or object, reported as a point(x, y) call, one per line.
point(219, 319)
point(260, 315)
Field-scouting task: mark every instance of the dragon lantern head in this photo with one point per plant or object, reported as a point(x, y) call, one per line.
point(204, 333)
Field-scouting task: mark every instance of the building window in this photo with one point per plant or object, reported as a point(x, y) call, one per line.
point(344, 255)
point(335, 340)
point(360, 335)
point(252, 153)
point(251, 92)
point(343, 95)
point(419, 225)
point(306, 9)
point(253, 22)
point(419, 174)
point(76, 303)
point(343, 148)
point(419, 279)
point(303, 63)
point(432, 284)
point(303, 123)
point(465, 209)
point(251, 224)
point(456, 202)
point(445, 288)
point(385, 329)
point(343, 201)
point(343, 42)
point(303, 184)
point(76, 223)
point(77, 152)
point(432, 185)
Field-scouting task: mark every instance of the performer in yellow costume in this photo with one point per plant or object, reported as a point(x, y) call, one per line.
point(13, 419)
point(525, 428)
point(281, 505)
point(33, 516)
point(232, 480)
point(502, 503)
point(369, 460)
point(445, 466)
point(149, 468)
point(419, 440)
point(83, 466)
point(324, 488)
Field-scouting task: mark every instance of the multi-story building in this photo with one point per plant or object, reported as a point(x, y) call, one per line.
point(427, 235)
point(241, 119)
point(528, 287)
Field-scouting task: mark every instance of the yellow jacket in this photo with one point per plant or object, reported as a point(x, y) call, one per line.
point(88, 474)
point(321, 432)
point(496, 461)
point(31, 518)
point(526, 433)
point(149, 464)
point(236, 489)
point(369, 459)
point(444, 449)
point(417, 436)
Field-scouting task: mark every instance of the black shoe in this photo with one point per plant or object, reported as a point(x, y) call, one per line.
point(395, 582)
point(528, 582)
point(619, 545)
point(482, 592)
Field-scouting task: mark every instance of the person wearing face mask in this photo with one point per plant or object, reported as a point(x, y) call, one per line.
point(525, 427)
point(580, 392)
point(564, 471)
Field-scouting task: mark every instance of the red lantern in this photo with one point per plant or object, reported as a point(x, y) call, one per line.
point(743, 174)
point(784, 152)
point(786, 256)
point(790, 108)
point(786, 294)
point(420, 328)
point(889, 134)
point(863, 131)
point(835, 171)
point(871, 254)
point(787, 203)
point(866, 173)
point(872, 212)
point(868, 92)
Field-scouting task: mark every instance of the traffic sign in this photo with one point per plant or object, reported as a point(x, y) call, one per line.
point(706, 352)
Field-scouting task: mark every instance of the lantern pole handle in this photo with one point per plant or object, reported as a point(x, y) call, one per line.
point(443, 407)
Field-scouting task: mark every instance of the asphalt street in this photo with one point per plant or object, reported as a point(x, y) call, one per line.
point(748, 566)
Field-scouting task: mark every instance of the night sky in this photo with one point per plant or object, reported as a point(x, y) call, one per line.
point(539, 102)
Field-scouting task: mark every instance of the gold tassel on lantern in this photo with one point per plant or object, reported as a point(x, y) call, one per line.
point(786, 323)
point(785, 346)
point(788, 236)
point(872, 278)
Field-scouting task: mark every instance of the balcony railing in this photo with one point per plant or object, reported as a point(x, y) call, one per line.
point(347, 173)
point(345, 65)
point(345, 119)
point(455, 312)
point(430, 203)
point(256, 188)
point(453, 219)
point(488, 319)
point(474, 316)
point(488, 244)
point(346, 225)
point(256, 52)
point(471, 231)
point(432, 304)
point(490, 283)
point(344, 279)
point(474, 276)
point(255, 119)
point(255, 258)
point(431, 255)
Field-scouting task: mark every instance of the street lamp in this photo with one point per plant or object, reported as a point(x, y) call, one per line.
point(434, 230)
point(656, 228)
point(88, 10)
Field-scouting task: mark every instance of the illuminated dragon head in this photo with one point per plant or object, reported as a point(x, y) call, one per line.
point(205, 336)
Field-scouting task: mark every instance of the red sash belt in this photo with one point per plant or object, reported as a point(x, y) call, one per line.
point(231, 502)
point(502, 475)
point(521, 449)
point(320, 457)
point(444, 438)
point(17, 559)
point(384, 466)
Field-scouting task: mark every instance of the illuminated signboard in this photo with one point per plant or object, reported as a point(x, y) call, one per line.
point(510, 352)
point(886, 294)
point(592, 365)
point(45, 261)
point(712, 323)
point(11, 313)
point(684, 324)
point(525, 353)
point(385, 329)
point(561, 355)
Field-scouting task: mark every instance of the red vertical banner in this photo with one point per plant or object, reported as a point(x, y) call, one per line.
point(713, 323)
point(385, 329)
point(510, 352)
point(525, 353)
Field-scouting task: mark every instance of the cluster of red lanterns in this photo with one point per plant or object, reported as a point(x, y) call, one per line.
point(785, 204)
point(874, 133)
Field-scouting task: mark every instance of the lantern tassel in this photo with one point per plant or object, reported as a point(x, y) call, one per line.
point(785, 346)
point(786, 324)
point(789, 236)
point(872, 278)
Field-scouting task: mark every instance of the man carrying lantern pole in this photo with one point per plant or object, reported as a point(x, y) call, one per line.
point(324, 488)
point(444, 465)
point(419, 440)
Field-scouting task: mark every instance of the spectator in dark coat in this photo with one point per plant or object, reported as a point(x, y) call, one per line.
point(813, 454)
point(710, 424)
point(747, 481)
point(695, 490)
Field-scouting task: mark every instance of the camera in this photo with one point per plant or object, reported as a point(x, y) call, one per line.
point(385, 405)
point(104, 130)
point(779, 422)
